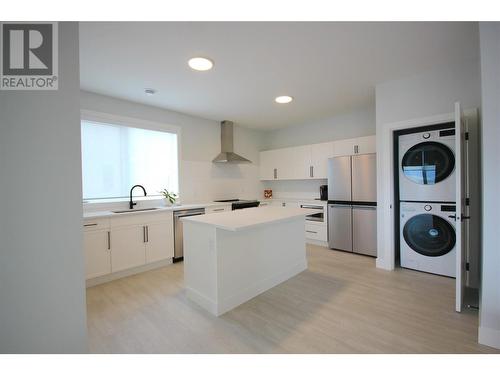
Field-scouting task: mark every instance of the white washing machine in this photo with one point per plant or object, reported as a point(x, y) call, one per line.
point(427, 166)
point(427, 237)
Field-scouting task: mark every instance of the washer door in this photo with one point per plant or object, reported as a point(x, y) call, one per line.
point(428, 163)
point(429, 235)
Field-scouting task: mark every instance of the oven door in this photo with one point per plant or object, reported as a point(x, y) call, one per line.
point(319, 217)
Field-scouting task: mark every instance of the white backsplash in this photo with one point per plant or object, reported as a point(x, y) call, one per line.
point(207, 181)
point(302, 189)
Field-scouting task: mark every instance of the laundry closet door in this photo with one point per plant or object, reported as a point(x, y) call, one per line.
point(461, 216)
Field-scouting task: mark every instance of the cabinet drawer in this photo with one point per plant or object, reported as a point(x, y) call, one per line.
point(95, 224)
point(316, 232)
point(140, 218)
point(216, 209)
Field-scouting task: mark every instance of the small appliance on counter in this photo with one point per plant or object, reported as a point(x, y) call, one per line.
point(323, 192)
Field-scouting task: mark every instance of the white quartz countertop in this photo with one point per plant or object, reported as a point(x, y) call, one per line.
point(109, 213)
point(249, 217)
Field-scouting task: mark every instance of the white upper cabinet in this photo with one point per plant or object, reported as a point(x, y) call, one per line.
point(300, 158)
point(267, 164)
point(277, 164)
point(320, 153)
point(354, 146)
point(310, 161)
point(344, 147)
point(365, 145)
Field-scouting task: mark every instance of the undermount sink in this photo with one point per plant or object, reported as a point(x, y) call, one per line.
point(138, 210)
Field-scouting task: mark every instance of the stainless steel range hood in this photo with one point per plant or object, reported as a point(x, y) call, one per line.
point(227, 154)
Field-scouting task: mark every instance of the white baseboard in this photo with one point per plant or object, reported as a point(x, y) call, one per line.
point(201, 300)
point(382, 264)
point(316, 242)
point(489, 336)
point(131, 271)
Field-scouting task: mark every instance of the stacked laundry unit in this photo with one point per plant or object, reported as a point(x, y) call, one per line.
point(427, 185)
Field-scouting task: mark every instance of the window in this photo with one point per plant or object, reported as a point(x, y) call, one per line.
point(114, 158)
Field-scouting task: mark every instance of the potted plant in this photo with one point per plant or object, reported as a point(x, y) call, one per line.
point(169, 198)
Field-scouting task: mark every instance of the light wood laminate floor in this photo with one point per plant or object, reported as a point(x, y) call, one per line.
point(341, 304)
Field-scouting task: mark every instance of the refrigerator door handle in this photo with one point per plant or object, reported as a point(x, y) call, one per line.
point(365, 207)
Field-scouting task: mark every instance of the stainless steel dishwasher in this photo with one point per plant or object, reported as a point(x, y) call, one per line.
point(178, 234)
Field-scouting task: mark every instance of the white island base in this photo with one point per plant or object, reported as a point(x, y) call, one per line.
point(232, 257)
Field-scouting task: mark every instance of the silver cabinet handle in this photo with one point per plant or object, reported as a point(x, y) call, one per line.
point(311, 171)
point(218, 209)
point(147, 233)
point(311, 231)
point(109, 240)
point(275, 173)
point(90, 225)
point(144, 234)
point(312, 207)
point(356, 149)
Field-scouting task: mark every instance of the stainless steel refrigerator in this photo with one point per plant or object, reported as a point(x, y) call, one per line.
point(352, 204)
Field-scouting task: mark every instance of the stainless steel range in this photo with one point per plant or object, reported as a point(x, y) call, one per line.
point(238, 204)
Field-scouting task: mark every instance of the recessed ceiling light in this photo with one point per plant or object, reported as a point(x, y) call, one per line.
point(283, 99)
point(149, 92)
point(200, 63)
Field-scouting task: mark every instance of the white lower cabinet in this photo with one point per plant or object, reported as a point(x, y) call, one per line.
point(159, 241)
point(97, 253)
point(128, 247)
point(316, 232)
point(127, 241)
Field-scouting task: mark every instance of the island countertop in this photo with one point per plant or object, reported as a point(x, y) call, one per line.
point(249, 217)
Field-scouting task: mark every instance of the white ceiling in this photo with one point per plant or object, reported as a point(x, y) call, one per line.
point(329, 68)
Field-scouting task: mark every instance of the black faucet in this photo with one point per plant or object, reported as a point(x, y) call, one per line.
point(132, 203)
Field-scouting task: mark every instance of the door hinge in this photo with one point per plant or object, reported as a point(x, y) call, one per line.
point(466, 136)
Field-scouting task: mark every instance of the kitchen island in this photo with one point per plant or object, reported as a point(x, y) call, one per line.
point(233, 256)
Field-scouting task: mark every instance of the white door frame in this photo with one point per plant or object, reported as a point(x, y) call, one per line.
point(385, 184)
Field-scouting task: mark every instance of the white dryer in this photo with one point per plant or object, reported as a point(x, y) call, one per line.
point(427, 238)
point(427, 166)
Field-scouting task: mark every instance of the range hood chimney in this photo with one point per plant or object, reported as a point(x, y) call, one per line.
point(227, 154)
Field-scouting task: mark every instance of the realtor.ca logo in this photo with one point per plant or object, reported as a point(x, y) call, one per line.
point(29, 58)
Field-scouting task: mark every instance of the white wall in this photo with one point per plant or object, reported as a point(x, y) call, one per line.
point(357, 123)
point(200, 179)
point(426, 95)
point(489, 320)
point(42, 290)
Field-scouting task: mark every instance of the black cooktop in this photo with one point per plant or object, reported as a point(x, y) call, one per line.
point(237, 204)
point(235, 200)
